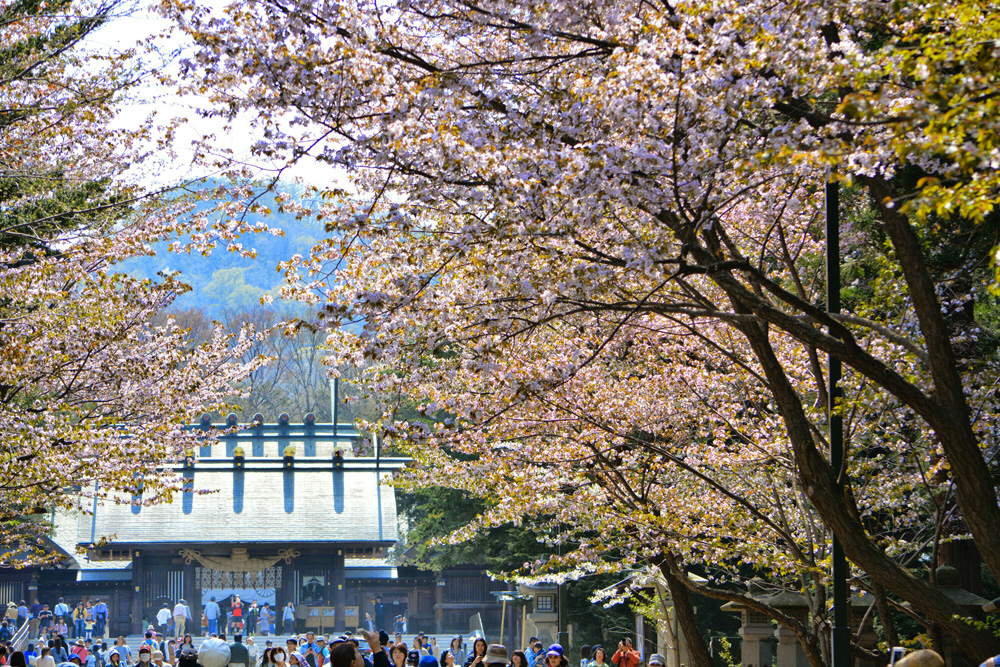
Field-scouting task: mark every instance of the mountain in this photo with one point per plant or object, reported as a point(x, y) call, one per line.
point(226, 282)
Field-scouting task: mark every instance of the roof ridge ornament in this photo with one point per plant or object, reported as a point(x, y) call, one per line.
point(239, 561)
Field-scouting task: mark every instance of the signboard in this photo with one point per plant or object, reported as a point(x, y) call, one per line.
point(321, 619)
point(351, 616)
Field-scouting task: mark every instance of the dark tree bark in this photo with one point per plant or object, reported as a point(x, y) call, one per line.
point(698, 655)
point(976, 491)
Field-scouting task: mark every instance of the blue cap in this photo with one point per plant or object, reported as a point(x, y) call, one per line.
point(428, 661)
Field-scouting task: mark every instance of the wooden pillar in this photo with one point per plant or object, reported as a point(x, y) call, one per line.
point(287, 592)
point(192, 595)
point(438, 601)
point(114, 604)
point(338, 587)
point(137, 593)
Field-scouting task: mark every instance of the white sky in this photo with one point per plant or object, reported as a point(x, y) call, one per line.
point(141, 24)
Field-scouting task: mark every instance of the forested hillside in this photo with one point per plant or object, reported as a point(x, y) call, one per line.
point(227, 282)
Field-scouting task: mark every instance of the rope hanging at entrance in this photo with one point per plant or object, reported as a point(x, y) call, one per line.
point(240, 560)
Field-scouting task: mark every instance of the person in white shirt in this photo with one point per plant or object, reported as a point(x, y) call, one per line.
point(62, 611)
point(163, 618)
point(45, 659)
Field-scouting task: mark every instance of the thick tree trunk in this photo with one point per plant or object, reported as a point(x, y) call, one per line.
point(698, 655)
point(976, 491)
point(833, 501)
point(837, 510)
point(808, 640)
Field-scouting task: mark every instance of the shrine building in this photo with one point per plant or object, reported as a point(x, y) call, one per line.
point(276, 513)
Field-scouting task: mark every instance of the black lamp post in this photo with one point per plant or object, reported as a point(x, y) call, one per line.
point(840, 639)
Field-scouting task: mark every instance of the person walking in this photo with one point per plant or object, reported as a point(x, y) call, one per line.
point(535, 650)
point(115, 659)
point(555, 657)
point(45, 658)
point(212, 613)
point(180, 618)
point(477, 654)
point(122, 650)
point(252, 652)
point(288, 619)
point(239, 654)
point(34, 618)
point(250, 622)
point(45, 619)
point(163, 618)
point(264, 620)
point(186, 644)
point(457, 648)
point(598, 657)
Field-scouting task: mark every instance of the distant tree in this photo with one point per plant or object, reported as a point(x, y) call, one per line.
point(95, 392)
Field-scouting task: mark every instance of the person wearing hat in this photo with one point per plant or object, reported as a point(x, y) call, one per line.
point(428, 661)
point(157, 658)
point(253, 651)
point(214, 652)
point(555, 657)
point(145, 655)
point(80, 649)
point(496, 654)
point(657, 660)
point(323, 654)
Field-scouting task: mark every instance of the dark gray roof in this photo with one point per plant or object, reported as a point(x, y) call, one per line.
point(262, 504)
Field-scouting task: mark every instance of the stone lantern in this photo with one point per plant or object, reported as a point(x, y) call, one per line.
point(756, 630)
point(794, 605)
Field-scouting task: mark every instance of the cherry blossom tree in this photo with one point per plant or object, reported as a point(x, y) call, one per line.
point(91, 389)
point(585, 237)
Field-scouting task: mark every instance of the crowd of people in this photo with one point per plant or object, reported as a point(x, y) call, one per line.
point(88, 619)
point(53, 642)
point(67, 636)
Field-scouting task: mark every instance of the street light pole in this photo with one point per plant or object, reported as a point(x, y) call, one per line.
point(563, 634)
point(840, 639)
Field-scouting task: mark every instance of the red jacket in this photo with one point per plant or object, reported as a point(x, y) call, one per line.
point(626, 658)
